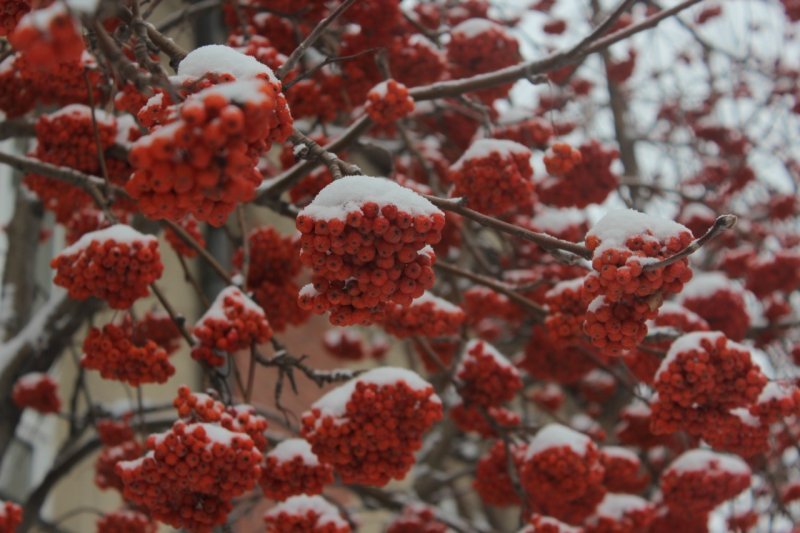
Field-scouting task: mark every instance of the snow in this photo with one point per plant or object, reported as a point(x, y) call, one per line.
point(685, 343)
point(558, 220)
point(620, 224)
point(439, 303)
point(31, 379)
point(301, 505)
point(349, 193)
point(619, 452)
point(8, 63)
point(697, 210)
point(307, 290)
point(335, 336)
point(596, 304)
point(706, 284)
point(483, 148)
point(672, 308)
point(381, 89)
point(239, 91)
point(574, 285)
point(743, 414)
point(555, 436)
point(291, 448)
point(84, 111)
point(221, 59)
point(41, 18)
point(637, 408)
point(167, 131)
point(475, 26)
point(773, 391)
point(489, 350)
point(84, 6)
point(216, 434)
point(700, 460)
point(334, 403)
point(125, 123)
point(599, 378)
point(217, 309)
point(616, 506)
point(121, 233)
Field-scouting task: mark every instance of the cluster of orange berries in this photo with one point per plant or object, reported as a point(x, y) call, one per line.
point(588, 181)
point(105, 467)
point(737, 431)
point(159, 328)
point(416, 519)
point(484, 423)
point(550, 358)
point(113, 352)
point(492, 480)
point(364, 238)
point(779, 272)
point(199, 407)
point(273, 265)
point(566, 309)
point(703, 372)
point(10, 516)
point(494, 175)
point(479, 45)
point(720, 302)
point(112, 432)
point(415, 60)
point(562, 473)
point(115, 264)
point(48, 36)
point(126, 521)
point(623, 470)
point(350, 345)
point(233, 322)
point(621, 513)
point(428, 316)
point(305, 513)
point(561, 159)
point(486, 377)
point(190, 475)
point(388, 102)
point(38, 392)
point(369, 428)
point(623, 294)
point(11, 11)
point(291, 468)
point(533, 132)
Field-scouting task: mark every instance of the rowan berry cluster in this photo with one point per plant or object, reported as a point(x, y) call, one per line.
point(737, 432)
point(495, 176)
point(190, 226)
point(126, 521)
point(291, 468)
point(388, 102)
point(105, 467)
point(589, 181)
point(482, 421)
point(566, 309)
point(115, 264)
point(547, 524)
point(561, 159)
point(482, 305)
point(428, 316)
point(10, 516)
point(623, 470)
point(113, 352)
point(621, 513)
point(776, 273)
point(350, 345)
point(492, 479)
point(159, 328)
point(549, 397)
point(112, 432)
point(11, 11)
point(273, 265)
point(699, 480)
point(415, 60)
point(720, 302)
point(190, 475)
point(548, 357)
point(533, 132)
point(486, 378)
point(365, 240)
point(36, 391)
point(416, 518)
point(478, 45)
point(233, 322)
point(81, 222)
point(623, 294)
point(777, 401)
point(47, 37)
point(305, 513)
point(369, 428)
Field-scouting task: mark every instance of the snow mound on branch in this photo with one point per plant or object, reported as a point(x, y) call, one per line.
point(685, 343)
point(620, 224)
point(485, 147)
point(616, 506)
point(221, 59)
point(217, 309)
point(704, 285)
point(120, 233)
point(557, 436)
point(473, 27)
point(302, 505)
point(291, 448)
point(240, 91)
point(488, 349)
point(701, 460)
point(351, 192)
point(84, 111)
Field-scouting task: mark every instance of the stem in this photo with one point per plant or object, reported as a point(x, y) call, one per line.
point(722, 223)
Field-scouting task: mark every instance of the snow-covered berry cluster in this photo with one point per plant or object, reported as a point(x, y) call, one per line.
point(233, 322)
point(350, 345)
point(305, 513)
point(370, 427)
point(416, 518)
point(621, 513)
point(116, 264)
point(388, 102)
point(566, 308)
point(10, 516)
point(720, 302)
point(36, 391)
point(158, 327)
point(48, 36)
point(105, 466)
point(495, 176)
point(291, 468)
point(365, 240)
point(428, 316)
point(11, 11)
point(589, 180)
point(530, 131)
point(126, 521)
point(483, 421)
point(550, 358)
point(561, 158)
point(623, 470)
point(486, 378)
point(112, 432)
point(492, 479)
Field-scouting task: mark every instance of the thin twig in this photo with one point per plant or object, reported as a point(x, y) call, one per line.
point(722, 223)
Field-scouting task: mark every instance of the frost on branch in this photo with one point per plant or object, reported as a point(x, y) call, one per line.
point(365, 239)
point(370, 427)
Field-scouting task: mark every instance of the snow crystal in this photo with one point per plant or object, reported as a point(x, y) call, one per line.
point(685, 343)
point(705, 284)
point(84, 111)
point(121, 233)
point(699, 460)
point(473, 27)
point(291, 448)
point(334, 403)
point(221, 59)
point(616, 505)
point(302, 504)
point(239, 91)
point(484, 147)
point(558, 220)
point(439, 303)
point(620, 224)
point(217, 309)
point(349, 193)
point(555, 436)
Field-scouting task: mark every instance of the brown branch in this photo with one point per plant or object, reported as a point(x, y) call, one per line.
point(71, 176)
point(722, 223)
point(312, 151)
point(207, 257)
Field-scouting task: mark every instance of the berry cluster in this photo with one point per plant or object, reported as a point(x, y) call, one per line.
point(126, 521)
point(415, 60)
point(547, 524)
point(778, 272)
point(479, 45)
point(621, 513)
point(486, 378)
point(737, 431)
point(305, 513)
point(112, 432)
point(36, 391)
point(388, 102)
point(492, 479)
point(105, 467)
point(548, 357)
point(589, 181)
point(428, 316)
point(364, 238)
point(370, 427)
point(190, 475)
point(561, 159)
point(291, 468)
point(623, 470)
point(220, 133)
point(350, 345)
point(158, 327)
point(562, 473)
point(47, 37)
point(11, 11)
point(494, 175)
point(233, 322)
point(566, 309)
point(115, 264)
point(274, 263)
point(533, 132)
point(113, 352)
point(623, 294)
point(10, 516)
point(416, 518)
point(720, 302)
point(483, 422)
